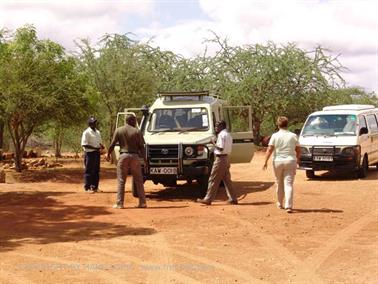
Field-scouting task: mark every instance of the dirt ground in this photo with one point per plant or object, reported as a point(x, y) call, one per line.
point(53, 232)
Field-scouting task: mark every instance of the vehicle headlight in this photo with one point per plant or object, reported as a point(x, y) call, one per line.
point(189, 151)
point(305, 151)
point(350, 151)
point(200, 150)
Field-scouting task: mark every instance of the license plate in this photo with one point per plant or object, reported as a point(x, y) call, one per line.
point(323, 158)
point(163, 171)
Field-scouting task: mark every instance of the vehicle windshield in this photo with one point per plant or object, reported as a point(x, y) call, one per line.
point(179, 119)
point(333, 124)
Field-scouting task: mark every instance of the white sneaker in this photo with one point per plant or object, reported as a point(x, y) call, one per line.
point(116, 206)
point(279, 206)
point(289, 210)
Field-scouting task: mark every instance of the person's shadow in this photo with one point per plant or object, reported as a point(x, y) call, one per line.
point(321, 210)
point(38, 218)
point(191, 191)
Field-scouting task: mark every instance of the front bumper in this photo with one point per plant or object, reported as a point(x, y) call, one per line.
point(338, 163)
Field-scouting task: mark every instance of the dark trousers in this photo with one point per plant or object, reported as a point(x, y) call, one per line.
point(92, 170)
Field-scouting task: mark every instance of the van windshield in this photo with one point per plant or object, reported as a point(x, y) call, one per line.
point(179, 119)
point(331, 124)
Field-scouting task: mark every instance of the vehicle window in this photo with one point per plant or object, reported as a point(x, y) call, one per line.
point(362, 121)
point(336, 124)
point(179, 119)
point(372, 122)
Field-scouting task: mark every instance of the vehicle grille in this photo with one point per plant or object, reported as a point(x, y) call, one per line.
point(323, 151)
point(163, 151)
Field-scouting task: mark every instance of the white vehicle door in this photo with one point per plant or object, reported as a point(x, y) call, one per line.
point(239, 124)
point(372, 123)
point(121, 121)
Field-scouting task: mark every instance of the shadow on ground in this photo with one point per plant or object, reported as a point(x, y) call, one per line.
point(191, 191)
point(60, 175)
point(345, 175)
point(321, 210)
point(38, 218)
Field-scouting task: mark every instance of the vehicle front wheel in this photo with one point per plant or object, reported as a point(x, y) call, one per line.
point(363, 170)
point(310, 174)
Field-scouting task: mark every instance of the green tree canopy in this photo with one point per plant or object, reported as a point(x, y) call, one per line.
point(38, 83)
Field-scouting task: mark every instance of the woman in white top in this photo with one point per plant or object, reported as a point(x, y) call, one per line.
point(286, 151)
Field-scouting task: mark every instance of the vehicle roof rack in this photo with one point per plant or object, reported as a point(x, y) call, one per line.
point(349, 107)
point(173, 96)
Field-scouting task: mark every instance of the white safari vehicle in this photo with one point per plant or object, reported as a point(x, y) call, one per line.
point(178, 128)
point(340, 137)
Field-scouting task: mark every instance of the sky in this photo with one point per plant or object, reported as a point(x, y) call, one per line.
point(346, 28)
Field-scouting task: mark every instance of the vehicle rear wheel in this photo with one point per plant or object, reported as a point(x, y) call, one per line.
point(363, 170)
point(310, 174)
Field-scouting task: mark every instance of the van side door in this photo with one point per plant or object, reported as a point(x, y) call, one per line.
point(363, 138)
point(239, 124)
point(372, 122)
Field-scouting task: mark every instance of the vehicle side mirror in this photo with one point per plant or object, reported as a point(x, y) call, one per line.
point(297, 131)
point(363, 131)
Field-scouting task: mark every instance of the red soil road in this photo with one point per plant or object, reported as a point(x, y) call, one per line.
point(53, 232)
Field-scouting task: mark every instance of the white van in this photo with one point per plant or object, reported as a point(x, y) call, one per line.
point(178, 128)
point(341, 137)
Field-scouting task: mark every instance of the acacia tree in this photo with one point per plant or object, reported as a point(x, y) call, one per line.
point(74, 106)
point(120, 72)
point(35, 78)
point(274, 79)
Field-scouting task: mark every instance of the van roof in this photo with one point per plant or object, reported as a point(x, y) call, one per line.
point(349, 107)
point(185, 99)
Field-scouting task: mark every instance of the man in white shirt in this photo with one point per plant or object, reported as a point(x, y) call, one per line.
point(221, 167)
point(92, 144)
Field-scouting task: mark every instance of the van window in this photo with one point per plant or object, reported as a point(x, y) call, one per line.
point(372, 122)
point(179, 119)
point(330, 124)
point(362, 121)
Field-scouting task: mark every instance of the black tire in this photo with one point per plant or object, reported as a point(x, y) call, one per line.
point(134, 190)
point(310, 174)
point(363, 169)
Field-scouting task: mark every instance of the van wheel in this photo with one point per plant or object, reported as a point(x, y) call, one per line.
point(203, 182)
point(310, 174)
point(134, 190)
point(363, 170)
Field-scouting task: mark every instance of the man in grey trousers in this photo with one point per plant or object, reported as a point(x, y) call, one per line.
point(221, 167)
point(131, 144)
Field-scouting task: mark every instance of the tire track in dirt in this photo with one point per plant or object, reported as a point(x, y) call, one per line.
point(161, 239)
point(335, 242)
point(157, 277)
point(165, 247)
point(108, 277)
point(224, 267)
point(13, 278)
point(274, 248)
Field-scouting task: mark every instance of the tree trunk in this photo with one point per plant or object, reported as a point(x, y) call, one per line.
point(58, 143)
point(256, 124)
point(18, 154)
point(1, 138)
point(19, 138)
